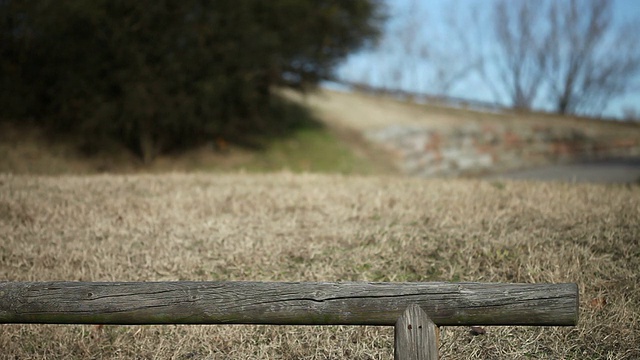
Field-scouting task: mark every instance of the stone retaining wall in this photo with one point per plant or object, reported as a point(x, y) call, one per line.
point(478, 148)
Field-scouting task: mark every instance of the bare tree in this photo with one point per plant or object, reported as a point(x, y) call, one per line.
point(473, 53)
point(408, 36)
point(439, 50)
point(566, 55)
point(517, 68)
point(453, 56)
point(419, 55)
point(630, 114)
point(587, 60)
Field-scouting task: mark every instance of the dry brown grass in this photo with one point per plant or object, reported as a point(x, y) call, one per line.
point(318, 227)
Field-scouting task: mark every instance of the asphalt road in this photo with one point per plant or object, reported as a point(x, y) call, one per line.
point(602, 171)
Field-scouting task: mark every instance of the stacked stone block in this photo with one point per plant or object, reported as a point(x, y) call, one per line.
point(478, 148)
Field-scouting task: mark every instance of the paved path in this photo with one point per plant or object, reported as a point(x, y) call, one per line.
point(603, 171)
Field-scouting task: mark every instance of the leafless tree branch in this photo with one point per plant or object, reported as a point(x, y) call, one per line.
point(587, 61)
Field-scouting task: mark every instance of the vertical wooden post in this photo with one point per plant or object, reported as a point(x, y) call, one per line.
point(416, 336)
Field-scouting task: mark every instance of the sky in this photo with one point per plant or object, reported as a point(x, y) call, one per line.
point(432, 19)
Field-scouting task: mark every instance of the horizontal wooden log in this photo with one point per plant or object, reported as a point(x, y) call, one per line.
point(303, 303)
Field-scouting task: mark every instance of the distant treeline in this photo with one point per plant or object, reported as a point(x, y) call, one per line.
point(157, 75)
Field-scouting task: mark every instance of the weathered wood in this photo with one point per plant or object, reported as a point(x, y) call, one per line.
point(416, 336)
point(303, 303)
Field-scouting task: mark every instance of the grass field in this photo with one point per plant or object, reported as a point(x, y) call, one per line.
point(290, 227)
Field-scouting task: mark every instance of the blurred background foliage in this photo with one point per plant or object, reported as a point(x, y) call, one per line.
point(163, 75)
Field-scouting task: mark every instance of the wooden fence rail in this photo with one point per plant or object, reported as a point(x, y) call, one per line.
point(292, 303)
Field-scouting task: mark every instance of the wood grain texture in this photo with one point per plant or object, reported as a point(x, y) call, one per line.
point(416, 336)
point(303, 303)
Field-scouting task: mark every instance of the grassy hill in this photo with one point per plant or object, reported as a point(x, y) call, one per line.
point(334, 143)
point(364, 111)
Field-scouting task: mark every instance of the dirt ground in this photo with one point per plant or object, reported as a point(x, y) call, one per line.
point(286, 227)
